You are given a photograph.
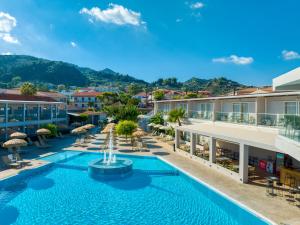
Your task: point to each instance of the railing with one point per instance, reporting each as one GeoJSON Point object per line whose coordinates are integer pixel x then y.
{"type": "Point", "coordinates": [203, 115]}
{"type": "Point", "coordinates": [271, 120]}
{"type": "Point", "coordinates": [233, 117]}
{"type": "Point", "coordinates": [291, 127]}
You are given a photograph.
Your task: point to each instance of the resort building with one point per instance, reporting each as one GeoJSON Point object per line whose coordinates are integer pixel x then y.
{"type": "Point", "coordinates": [28, 113]}
{"type": "Point", "coordinates": [243, 135]}
{"type": "Point", "coordinates": [84, 100]}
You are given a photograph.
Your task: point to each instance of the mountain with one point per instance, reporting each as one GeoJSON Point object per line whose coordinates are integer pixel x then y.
{"type": "Point", "coordinates": [47, 72]}
{"type": "Point", "coordinates": [216, 86]}
{"type": "Point", "coordinates": [56, 72]}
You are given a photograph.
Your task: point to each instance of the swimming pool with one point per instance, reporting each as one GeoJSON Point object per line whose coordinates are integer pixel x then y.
{"type": "Point", "coordinates": [156, 193]}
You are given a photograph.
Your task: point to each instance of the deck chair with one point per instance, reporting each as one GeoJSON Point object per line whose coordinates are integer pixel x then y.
{"type": "Point", "coordinates": [42, 142]}
{"type": "Point", "coordinates": [30, 142]}
{"type": "Point", "coordinates": [9, 163]}
{"type": "Point", "coordinates": [37, 144]}
{"type": "Point", "coordinates": [22, 161]}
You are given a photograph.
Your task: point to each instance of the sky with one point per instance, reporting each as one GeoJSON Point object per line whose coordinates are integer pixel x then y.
{"type": "Point", "coordinates": [249, 41]}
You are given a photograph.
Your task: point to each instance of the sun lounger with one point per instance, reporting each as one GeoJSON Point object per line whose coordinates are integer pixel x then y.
{"type": "Point", "coordinates": [9, 163]}
{"type": "Point", "coordinates": [29, 141]}
{"type": "Point", "coordinates": [42, 142]}
{"type": "Point", "coordinates": [37, 144]}
{"type": "Point", "coordinates": [22, 161]}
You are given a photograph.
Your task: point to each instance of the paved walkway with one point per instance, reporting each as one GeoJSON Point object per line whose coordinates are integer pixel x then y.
{"type": "Point", "coordinates": [275, 208]}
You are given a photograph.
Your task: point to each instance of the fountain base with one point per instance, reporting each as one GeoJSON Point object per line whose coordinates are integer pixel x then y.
{"type": "Point", "coordinates": [98, 169]}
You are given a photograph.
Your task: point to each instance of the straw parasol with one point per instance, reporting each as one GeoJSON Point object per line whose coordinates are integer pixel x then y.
{"type": "Point", "coordinates": [79, 130]}
{"type": "Point", "coordinates": [157, 126]}
{"type": "Point", "coordinates": [14, 143]}
{"type": "Point", "coordinates": [139, 133]}
{"type": "Point", "coordinates": [151, 124]}
{"type": "Point", "coordinates": [18, 135]}
{"type": "Point", "coordinates": [43, 131]}
{"type": "Point", "coordinates": [88, 126]}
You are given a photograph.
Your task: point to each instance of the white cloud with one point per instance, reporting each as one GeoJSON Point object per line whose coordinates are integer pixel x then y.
{"type": "Point", "coordinates": [238, 60]}
{"type": "Point", "coordinates": [73, 44]}
{"type": "Point", "coordinates": [178, 20]}
{"type": "Point", "coordinates": [6, 53]}
{"type": "Point", "coordinates": [7, 24]}
{"type": "Point", "coordinates": [196, 5]}
{"type": "Point", "coordinates": [115, 14]}
{"type": "Point", "coordinates": [290, 55]}
{"type": "Point", "coordinates": [8, 38]}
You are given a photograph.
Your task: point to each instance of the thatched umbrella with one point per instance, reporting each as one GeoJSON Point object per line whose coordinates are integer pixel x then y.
{"type": "Point", "coordinates": [88, 126]}
{"type": "Point", "coordinates": [14, 143]}
{"type": "Point", "coordinates": [79, 130]}
{"type": "Point", "coordinates": [43, 131]}
{"type": "Point", "coordinates": [151, 124]}
{"type": "Point", "coordinates": [139, 133]}
{"type": "Point", "coordinates": [157, 126]}
{"type": "Point", "coordinates": [18, 135]}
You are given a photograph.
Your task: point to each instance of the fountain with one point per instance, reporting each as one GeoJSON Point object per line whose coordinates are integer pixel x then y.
{"type": "Point", "coordinates": [110, 167]}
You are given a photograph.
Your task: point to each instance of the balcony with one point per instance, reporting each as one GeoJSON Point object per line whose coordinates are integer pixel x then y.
{"type": "Point", "coordinates": [271, 120]}
{"type": "Point", "coordinates": [236, 117]}
{"type": "Point", "coordinates": [202, 115]}
{"type": "Point", "coordinates": [291, 127]}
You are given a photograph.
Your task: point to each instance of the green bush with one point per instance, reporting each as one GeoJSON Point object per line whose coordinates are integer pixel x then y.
{"type": "Point", "coordinates": [126, 128]}
{"type": "Point", "coordinates": [157, 119]}
{"type": "Point", "coordinates": [52, 127]}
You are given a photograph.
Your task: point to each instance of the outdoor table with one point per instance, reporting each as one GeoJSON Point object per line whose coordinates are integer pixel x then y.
{"type": "Point", "coordinates": [272, 179]}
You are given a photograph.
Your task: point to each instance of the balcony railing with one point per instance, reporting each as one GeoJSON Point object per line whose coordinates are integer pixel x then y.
{"type": "Point", "coordinates": [203, 115]}
{"type": "Point", "coordinates": [291, 127]}
{"type": "Point", "coordinates": [235, 117]}
{"type": "Point", "coordinates": [271, 120]}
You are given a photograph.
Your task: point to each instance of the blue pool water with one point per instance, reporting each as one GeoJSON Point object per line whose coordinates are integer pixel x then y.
{"type": "Point", "coordinates": [154, 194]}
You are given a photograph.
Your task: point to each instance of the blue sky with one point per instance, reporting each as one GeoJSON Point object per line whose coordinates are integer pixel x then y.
{"type": "Point", "coordinates": [250, 41]}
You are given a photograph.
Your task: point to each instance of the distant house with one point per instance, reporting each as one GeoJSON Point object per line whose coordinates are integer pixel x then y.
{"type": "Point", "coordinates": [83, 100]}
{"type": "Point", "coordinates": [252, 90]}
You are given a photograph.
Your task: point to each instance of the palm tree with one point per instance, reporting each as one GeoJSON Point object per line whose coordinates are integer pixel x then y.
{"type": "Point", "coordinates": [176, 115]}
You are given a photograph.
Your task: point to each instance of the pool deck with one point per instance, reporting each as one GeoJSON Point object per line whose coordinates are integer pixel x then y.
{"type": "Point", "coordinates": [275, 208]}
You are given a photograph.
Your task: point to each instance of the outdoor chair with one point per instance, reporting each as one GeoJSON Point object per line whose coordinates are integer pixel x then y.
{"type": "Point", "coordinates": [37, 144]}
{"type": "Point", "coordinates": [29, 141]}
{"type": "Point", "coordinates": [42, 142]}
{"type": "Point", "coordinates": [22, 161]}
{"type": "Point", "coordinates": [10, 163]}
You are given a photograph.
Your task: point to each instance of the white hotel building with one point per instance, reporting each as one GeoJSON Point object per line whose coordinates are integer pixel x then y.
{"type": "Point", "coordinates": [242, 135]}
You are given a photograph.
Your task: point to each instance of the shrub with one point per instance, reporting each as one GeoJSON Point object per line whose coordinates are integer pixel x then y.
{"type": "Point", "coordinates": [28, 89]}
{"type": "Point", "coordinates": [126, 128]}
{"type": "Point", "coordinates": [52, 127]}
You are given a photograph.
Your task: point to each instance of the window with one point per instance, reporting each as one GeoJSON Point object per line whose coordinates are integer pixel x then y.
{"type": "Point", "coordinates": [240, 107]}
{"type": "Point", "coordinates": [82, 105]}
{"type": "Point", "coordinates": [290, 108]}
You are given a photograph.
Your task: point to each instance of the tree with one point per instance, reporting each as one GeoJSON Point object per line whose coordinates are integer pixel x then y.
{"type": "Point", "coordinates": [157, 119]}
{"type": "Point", "coordinates": [128, 112]}
{"type": "Point", "coordinates": [108, 98]}
{"type": "Point", "coordinates": [28, 88]}
{"type": "Point", "coordinates": [147, 89]}
{"type": "Point", "coordinates": [191, 95]}
{"type": "Point", "coordinates": [15, 81]}
{"type": "Point", "coordinates": [91, 105]}
{"type": "Point", "coordinates": [176, 115]}
{"type": "Point", "coordinates": [133, 89]}
{"type": "Point", "coordinates": [52, 128]}
{"type": "Point", "coordinates": [158, 95]}
{"type": "Point", "coordinates": [126, 128]}
{"type": "Point", "coordinates": [83, 117]}
{"type": "Point", "coordinates": [61, 87]}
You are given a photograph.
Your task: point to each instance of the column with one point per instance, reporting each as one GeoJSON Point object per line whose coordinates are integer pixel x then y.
{"type": "Point", "coordinates": [39, 114]}
{"type": "Point", "coordinates": [177, 138]}
{"type": "Point", "coordinates": [6, 120]}
{"type": "Point", "coordinates": [212, 150]}
{"type": "Point", "coordinates": [243, 163]}
{"type": "Point", "coordinates": [51, 114]}
{"type": "Point", "coordinates": [24, 116]}
{"type": "Point", "coordinates": [193, 143]}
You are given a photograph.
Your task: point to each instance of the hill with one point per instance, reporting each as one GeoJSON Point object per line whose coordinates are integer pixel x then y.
{"type": "Point", "coordinates": [56, 72]}
{"type": "Point", "coordinates": [47, 72]}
